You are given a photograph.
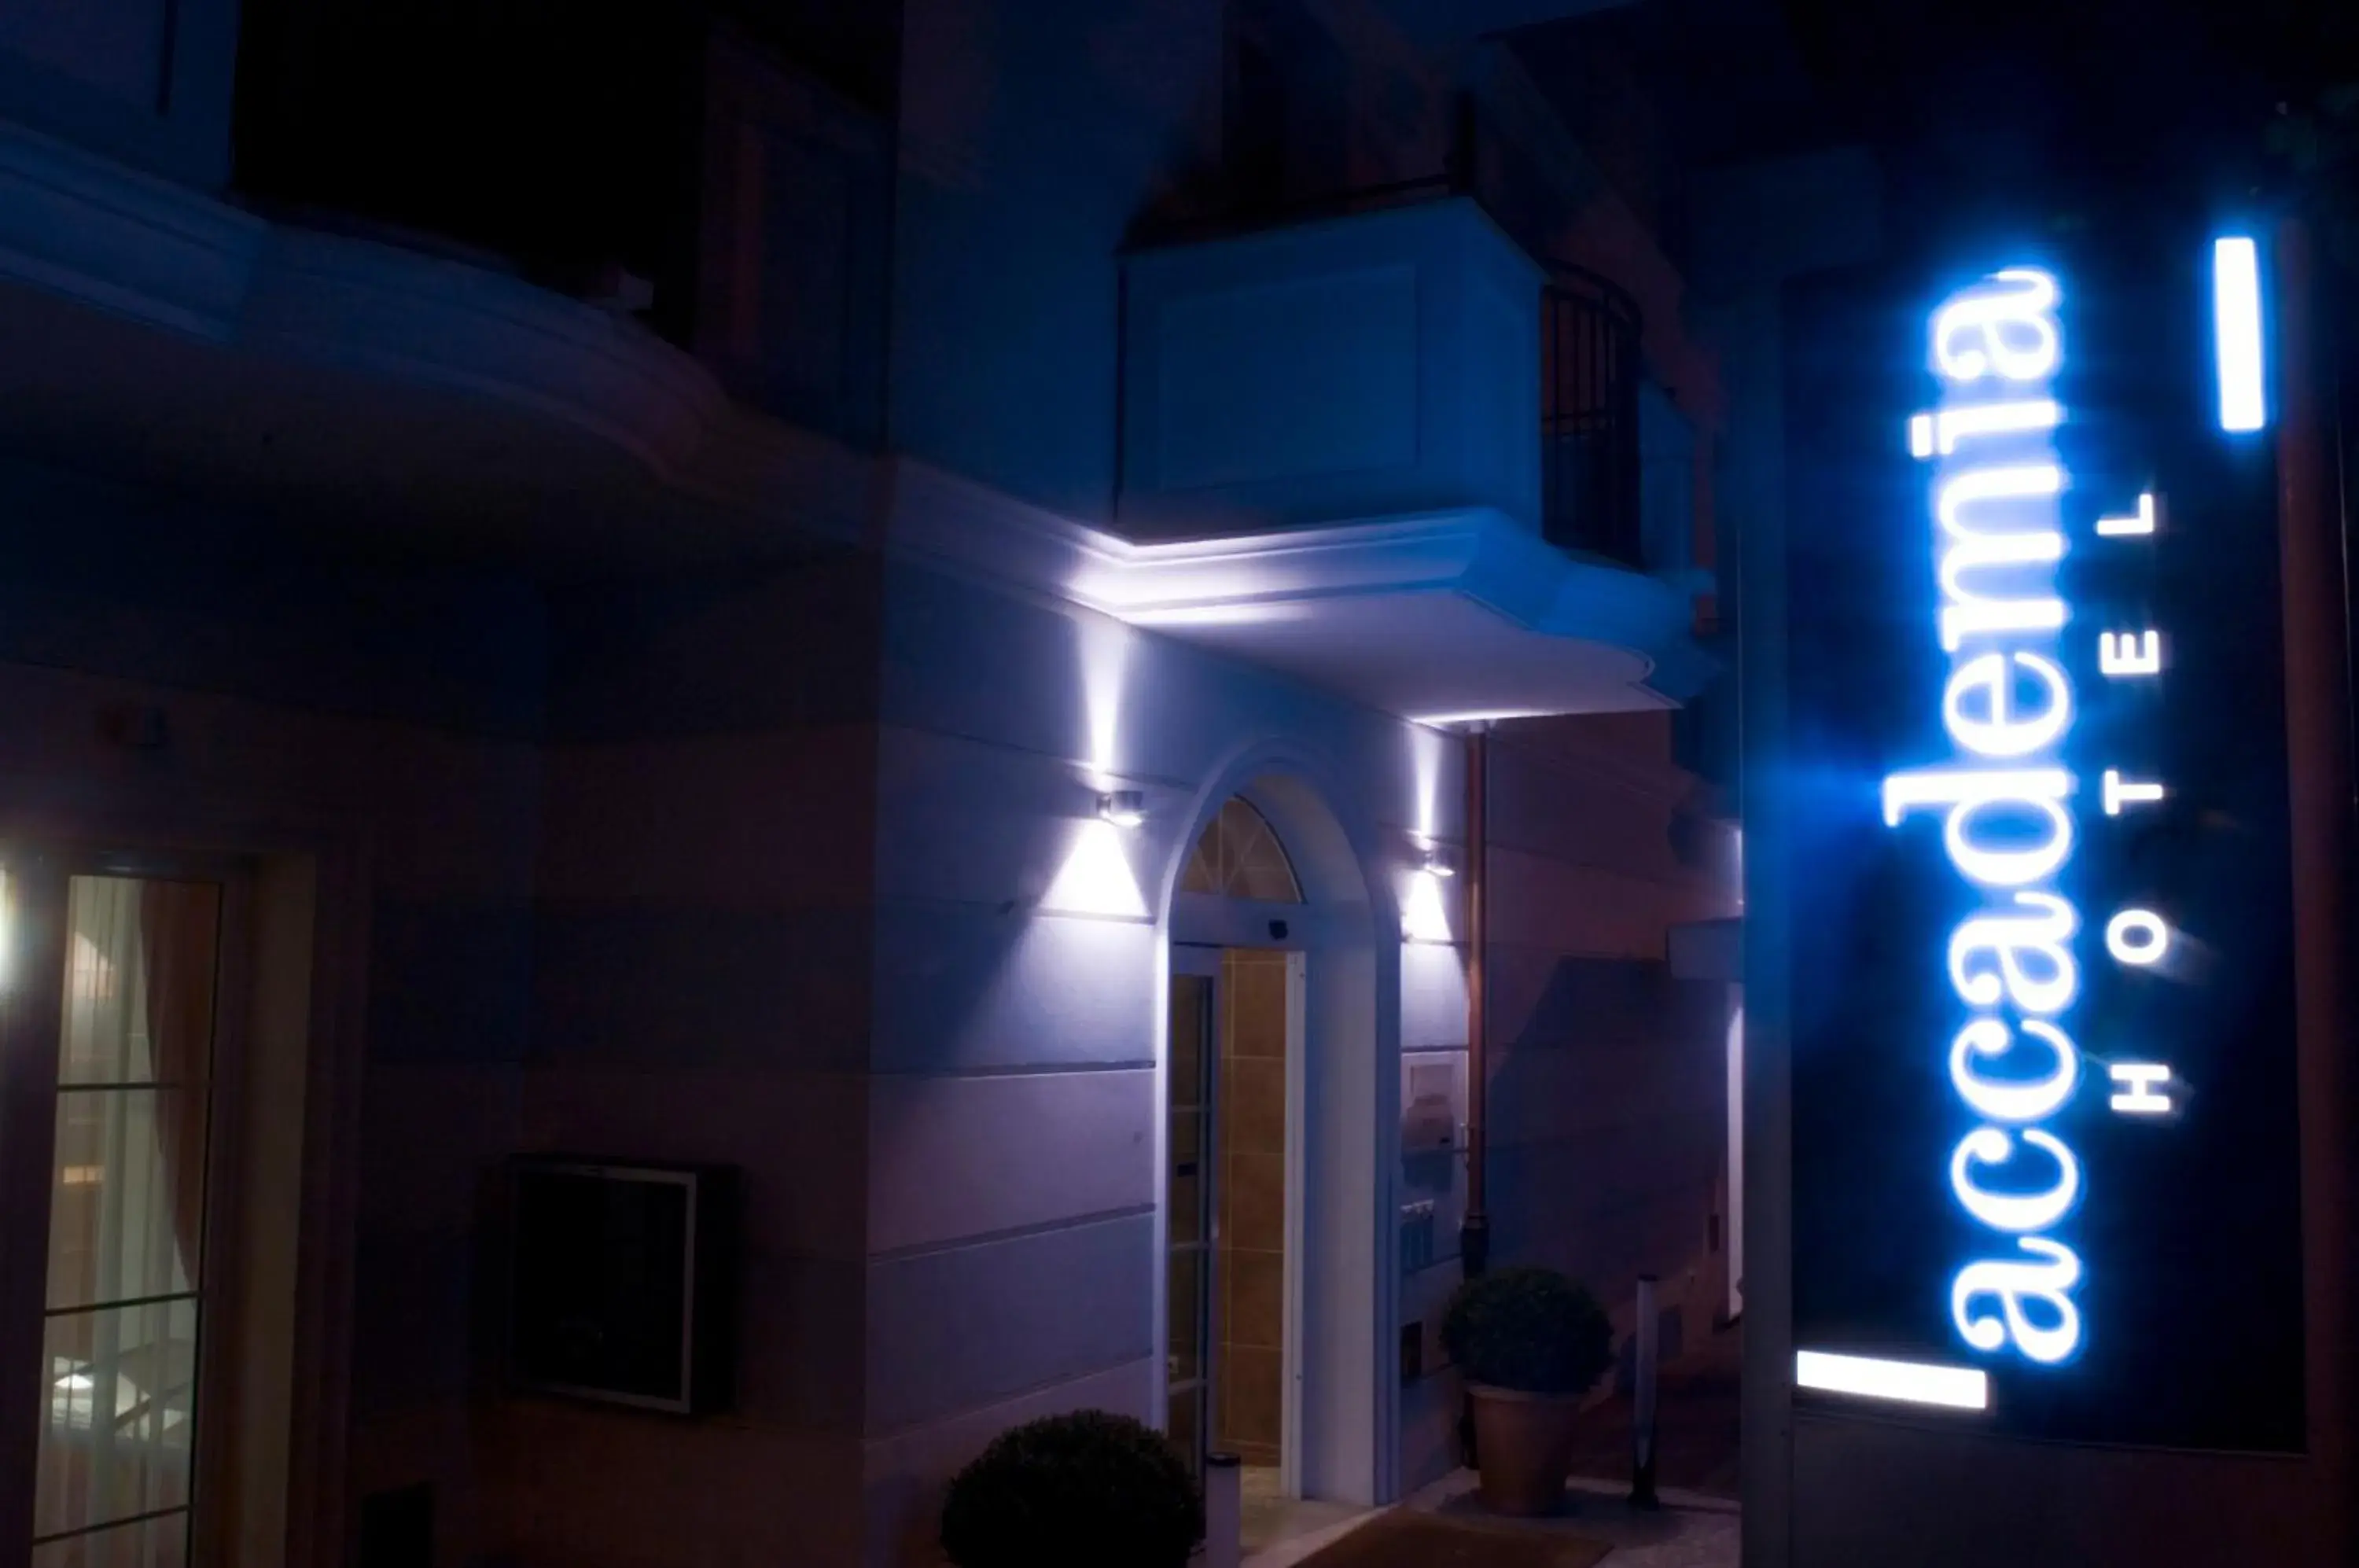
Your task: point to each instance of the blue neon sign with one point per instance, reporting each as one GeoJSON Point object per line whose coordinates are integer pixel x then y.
{"type": "Point", "coordinates": [2043, 1095]}
{"type": "Point", "coordinates": [2008, 797]}
{"type": "Point", "coordinates": [2237, 333]}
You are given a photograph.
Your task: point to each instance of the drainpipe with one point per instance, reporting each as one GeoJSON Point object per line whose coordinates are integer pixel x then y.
{"type": "Point", "coordinates": [1475, 1230]}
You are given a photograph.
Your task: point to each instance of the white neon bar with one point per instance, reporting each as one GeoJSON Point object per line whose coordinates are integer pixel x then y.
{"type": "Point", "coordinates": [1910, 1382]}
{"type": "Point", "coordinates": [2236, 328]}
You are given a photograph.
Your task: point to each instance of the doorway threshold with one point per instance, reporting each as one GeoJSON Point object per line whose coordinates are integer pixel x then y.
{"type": "Point", "coordinates": [1304, 1526]}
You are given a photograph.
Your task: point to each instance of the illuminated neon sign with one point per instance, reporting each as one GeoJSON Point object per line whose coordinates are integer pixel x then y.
{"type": "Point", "coordinates": [2044, 1106]}
{"type": "Point", "coordinates": [2008, 800]}
{"type": "Point", "coordinates": [2237, 333]}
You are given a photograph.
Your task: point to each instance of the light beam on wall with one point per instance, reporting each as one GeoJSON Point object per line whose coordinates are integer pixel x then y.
{"type": "Point", "coordinates": [1105, 661]}
{"type": "Point", "coordinates": [1482, 717]}
{"type": "Point", "coordinates": [1178, 617]}
{"type": "Point", "coordinates": [1096, 878]}
{"type": "Point", "coordinates": [1424, 915]}
{"type": "Point", "coordinates": [2236, 328]}
{"type": "Point", "coordinates": [1425, 751]}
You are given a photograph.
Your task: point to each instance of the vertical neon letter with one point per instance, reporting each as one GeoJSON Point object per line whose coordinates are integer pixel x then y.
{"type": "Point", "coordinates": [2237, 327]}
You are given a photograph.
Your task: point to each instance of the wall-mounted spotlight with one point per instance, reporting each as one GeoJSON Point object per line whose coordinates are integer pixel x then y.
{"type": "Point", "coordinates": [1437, 864]}
{"type": "Point", "coordinates": [1123, 808]}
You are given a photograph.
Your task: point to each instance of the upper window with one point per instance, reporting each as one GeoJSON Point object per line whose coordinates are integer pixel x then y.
{"type": "Point", "coordinates": [1240, 857]}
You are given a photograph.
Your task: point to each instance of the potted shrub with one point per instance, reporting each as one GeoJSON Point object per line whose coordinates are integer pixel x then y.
{"type": "Point", "coordinates": [1084, 1490]}
{"type": "Point", "coordinates": [1529, 1343]}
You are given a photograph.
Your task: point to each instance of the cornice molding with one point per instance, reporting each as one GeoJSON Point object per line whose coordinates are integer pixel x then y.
{"type": "Point", "coordinates": [113, 239]}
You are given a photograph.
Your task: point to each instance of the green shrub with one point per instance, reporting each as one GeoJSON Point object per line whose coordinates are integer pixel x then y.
{"type": "Point", "coordinates": [1527, 1329]}
{"type": "Point", "coordinates": [1088, 1490]}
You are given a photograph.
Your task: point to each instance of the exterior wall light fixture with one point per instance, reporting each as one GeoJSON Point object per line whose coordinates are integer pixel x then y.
{"type": "Point", "coordinates": [1437, 864]}
{"type": "Point", "coordinates": [1123, 808]}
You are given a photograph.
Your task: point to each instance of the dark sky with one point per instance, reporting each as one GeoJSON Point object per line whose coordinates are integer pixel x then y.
{"type": "Point", "coordinates": [2085, 100]}
{"type": "Point", "coordinates": [2066, 105]}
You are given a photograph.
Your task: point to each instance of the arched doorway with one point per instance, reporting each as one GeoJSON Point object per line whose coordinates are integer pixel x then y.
{"type": "Point", "coordinates": [1231, 1082]}
{"type": "Point", "coordinates": [1272, 1310]}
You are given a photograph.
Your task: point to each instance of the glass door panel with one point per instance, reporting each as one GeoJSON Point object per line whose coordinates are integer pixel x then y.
{"type": "Point", "coordinates": [134, 1076]}
{"type": "Point", "coordinates": [1188, 1198]}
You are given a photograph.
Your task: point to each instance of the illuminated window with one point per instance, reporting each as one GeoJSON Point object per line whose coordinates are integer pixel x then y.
{"type": "Point", "coordinates": [1240, 857]}
{"type": "Point", "coordinates": [91, 972]}
{"type": "Point", "coordinates": [115, 1453]}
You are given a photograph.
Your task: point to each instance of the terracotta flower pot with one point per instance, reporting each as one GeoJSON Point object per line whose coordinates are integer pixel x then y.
{"type": "Point", "coordinates": [1524, 1444]}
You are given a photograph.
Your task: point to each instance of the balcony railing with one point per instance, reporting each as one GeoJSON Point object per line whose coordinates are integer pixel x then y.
{"type": "Point", "coordinates": [1591, 367]}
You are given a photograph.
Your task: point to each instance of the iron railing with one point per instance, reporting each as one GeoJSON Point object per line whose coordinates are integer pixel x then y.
{"type": "Point", "coordinates": [1590, 370]}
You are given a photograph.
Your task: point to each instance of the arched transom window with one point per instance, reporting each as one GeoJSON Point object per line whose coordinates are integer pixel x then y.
{"type": "Point", "coordinates": [1240, 857]}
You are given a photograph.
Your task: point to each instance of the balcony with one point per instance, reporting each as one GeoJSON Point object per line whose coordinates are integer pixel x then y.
{"type": "Point", "coordinates": [709, 167]}
{"type": "Point", "coordinates": [661, 157]}
{"type": "Point", "coordinates": [456, 357]}
{"type": "Point", "coordinates": [1351, 367]}
{"type": "Point", "coordinates": [146, 83]}
{"type": "Point", "coordinates": [1389, 451]}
